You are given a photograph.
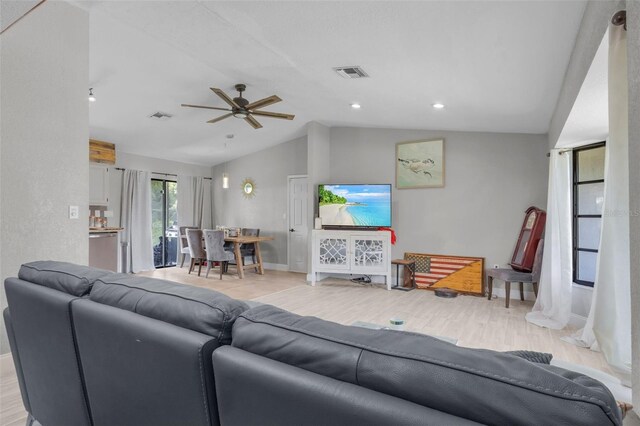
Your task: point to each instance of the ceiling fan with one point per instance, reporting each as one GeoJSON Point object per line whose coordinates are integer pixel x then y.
{"type": "Point", "coordinates": [241, 108]}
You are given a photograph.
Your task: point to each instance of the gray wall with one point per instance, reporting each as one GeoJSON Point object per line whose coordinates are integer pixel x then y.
{"type": "Point", "coordinates": [319, 171]}
{"type": "Point", "coordinates": [633, 57]}
{"type": "Point", "coordinates": [44, 75]}
{"type": "Point", "coordinates": [138, 162]}
{"type": "Point", "coordinates": [491, 178]}
{"type": "Point", "coordinates": [595, 21]}
{"type": "Point", "coordinates": [267, 210]}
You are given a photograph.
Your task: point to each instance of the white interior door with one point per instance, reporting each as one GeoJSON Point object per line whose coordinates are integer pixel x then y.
{"type": "Point", "coordinates": [298, 219]}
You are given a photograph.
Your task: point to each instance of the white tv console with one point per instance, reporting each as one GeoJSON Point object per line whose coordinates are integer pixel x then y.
{"type": "Point", "coordinates": [351, 252]}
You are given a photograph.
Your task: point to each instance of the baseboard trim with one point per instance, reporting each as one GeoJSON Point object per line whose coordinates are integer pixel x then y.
{"type": "Point", "coordinates": [276, 266]}
{"type": "Point", "coordinates": [375, 279]}
{"type": "Point", "coordinates": [515, 293]}
{"type": "Point", "coordinates": [577, 321]}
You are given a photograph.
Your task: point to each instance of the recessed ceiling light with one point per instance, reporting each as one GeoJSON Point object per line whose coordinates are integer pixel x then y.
{"type": "Point", "coordinates": [230, 136]}
{"type": "Point", "coordinates": [355, 106]}
{"type": "Point", "coordinates": [438, 106]}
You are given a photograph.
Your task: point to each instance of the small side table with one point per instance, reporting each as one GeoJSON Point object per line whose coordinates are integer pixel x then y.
{"type": "Point", "coordinates": [408, 271]}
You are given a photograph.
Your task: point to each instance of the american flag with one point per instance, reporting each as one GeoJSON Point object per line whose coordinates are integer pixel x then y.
{"type": "Point", "coordinates": [431, 269]}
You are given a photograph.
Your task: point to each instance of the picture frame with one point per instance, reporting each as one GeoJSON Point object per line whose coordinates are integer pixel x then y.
{"type": "Point", "coordinates": [420, 164]}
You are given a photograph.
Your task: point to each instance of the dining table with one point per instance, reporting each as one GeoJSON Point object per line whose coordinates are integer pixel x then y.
{"type": "Point", "coordinates": [247, 239]}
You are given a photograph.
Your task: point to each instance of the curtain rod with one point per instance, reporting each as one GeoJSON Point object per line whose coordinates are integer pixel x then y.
{"type": "Point", "coordinates": [158, 173]}
{"type": "Point", "coordinates": [560, 152]}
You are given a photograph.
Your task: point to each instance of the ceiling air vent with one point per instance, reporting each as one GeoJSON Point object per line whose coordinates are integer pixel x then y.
{"type": "Point", "coordinates": [160, 116]}
{"type": "Point", "coordinates": [351, 72]}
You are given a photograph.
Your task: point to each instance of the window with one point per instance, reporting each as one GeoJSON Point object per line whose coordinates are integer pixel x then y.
{"type": "Point", "coordinates": [588, 197]}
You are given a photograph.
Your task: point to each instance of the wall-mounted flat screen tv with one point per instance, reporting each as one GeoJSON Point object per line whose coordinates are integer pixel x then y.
{"type": "Point", "coordinates": [355, 205]}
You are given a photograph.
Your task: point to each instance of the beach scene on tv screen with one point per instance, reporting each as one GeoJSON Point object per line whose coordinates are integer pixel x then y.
{"type": "Point", "coordinates": [355, 205]}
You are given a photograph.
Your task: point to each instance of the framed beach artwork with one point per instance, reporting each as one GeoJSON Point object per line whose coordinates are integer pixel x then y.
{"type": "Point", "coordinates": [420, 164]}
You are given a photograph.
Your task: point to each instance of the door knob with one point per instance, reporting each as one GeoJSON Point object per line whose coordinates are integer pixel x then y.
{"type": "Point", "coordinates": [292, 230]}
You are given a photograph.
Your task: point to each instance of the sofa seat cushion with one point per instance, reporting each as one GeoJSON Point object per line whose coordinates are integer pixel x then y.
{"type": "Point", "coordinates": [195, 308]}
{"type": "Point", "coordinates": [69, 278]}
{"type": "Point", "coordinates": [481, 385]}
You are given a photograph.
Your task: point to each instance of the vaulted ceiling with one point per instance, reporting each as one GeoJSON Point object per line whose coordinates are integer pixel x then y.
{"type": "Point", "coordinates": [11, 11]}
{"type": "Point", "coordinates": [497, 67]}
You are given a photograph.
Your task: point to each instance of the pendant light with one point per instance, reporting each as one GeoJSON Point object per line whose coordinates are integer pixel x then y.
{"type": "Point", "coordinates": [225, 175]}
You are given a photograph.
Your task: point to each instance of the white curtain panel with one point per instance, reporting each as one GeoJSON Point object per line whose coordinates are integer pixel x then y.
{"type": "Point", "coordinates": [553, 304]}
{"type": "Point", "coordinates": [608, 326]}
{"type": "Point", "coordinates": [135, 218]}
{"type": "Point", "coordinates": [207, 205]}
{"type": "Point", "coordinates": [192, 195]}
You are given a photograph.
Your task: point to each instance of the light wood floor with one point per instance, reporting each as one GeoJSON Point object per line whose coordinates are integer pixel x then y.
{"type": "Point", "coordinates": [474, 321]}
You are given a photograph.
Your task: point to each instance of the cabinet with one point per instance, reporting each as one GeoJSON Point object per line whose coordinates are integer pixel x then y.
{"type": "Point", "coordinates": [98, 185]}
{"type": "Point", "coordinates": [104, 250]}
{"type": "Point", "coordinates": [352, 252]}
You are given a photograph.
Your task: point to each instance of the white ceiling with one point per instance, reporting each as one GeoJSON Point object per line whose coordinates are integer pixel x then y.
{"type": "Point", "coordinates": [12, 10]}
{"type": "Point", "coordinates": [497, 66]}
{"type": "Point", "coordinates": [588, 121]}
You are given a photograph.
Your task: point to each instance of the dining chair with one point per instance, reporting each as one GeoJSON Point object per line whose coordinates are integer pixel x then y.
{"type": "Point", "coordinates": [509, 276]}
{"type": "Point", "coordinates": [214, 243]}
{"type": "Point", "coordinates": [249, 249]}
{"type": "Point", "coordinates": [183, 243]}
{"type": "Point", "coordinates": [196, 251]}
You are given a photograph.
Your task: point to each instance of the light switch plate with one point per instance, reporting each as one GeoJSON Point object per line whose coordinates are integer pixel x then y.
{"type": "Point", "coordinates": [74, 212]}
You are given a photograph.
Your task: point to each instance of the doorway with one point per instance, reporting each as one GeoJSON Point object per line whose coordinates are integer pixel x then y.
{"type": "Point", "coordinates": [164, 222]}
{"type": "Point", "coordinates": [298, 223]}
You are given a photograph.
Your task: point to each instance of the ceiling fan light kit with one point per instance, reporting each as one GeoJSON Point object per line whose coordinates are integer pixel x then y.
{"type": "Point", "coordinates": [241, 108]}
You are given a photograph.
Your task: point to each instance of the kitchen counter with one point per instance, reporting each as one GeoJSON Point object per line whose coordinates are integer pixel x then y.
{"type": "Point", "coordinates": [104, 230]}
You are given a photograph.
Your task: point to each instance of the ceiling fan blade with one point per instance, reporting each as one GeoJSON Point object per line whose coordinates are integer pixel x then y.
{"type": "Point", "coordinates": [205, 107]}
{"type": "Point", "coordinates": [222, 117]}
{"type": "Point", "coordinates": [273, 115]}
{"type": "Point", "coordinates": [263, 102]}
{"type": "Point", "coordinates": [225, 98]}
{"type": "Point", "coordinates": [253, 122]}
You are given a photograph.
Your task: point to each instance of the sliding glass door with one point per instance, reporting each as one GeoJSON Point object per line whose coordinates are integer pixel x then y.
{"type": "Point", "coordinates": [164, 222]}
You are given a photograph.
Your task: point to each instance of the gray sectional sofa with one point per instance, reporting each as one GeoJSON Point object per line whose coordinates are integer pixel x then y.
{"type": "Point", "coordinates": [97, 348]}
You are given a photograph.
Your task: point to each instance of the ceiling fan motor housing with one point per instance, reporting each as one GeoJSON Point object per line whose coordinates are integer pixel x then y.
{"type": "Point", "coordinates": [242, 102]}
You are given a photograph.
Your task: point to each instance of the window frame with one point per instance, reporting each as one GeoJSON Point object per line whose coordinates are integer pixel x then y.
{"type": "Point", "coordinates": [575, 227]}
{"type": "Point", "coordinates": [165, 209]}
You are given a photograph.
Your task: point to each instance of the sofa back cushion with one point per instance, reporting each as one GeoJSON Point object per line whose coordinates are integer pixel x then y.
{"type": "Point", "coordinates": [41, 337]}
{"type": "Point", "coordinates": [141, 371]}
{"type": "Point", "coordinates": [69, 278]}
{"type": "Point", "coordinates": [277, 394]}
{"type": "Point", "coordinates": [481, 385]}
{"type": "Point", "coordinates": [194, 308]}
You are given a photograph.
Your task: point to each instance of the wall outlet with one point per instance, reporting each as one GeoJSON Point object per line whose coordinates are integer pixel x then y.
{"type": "Point", "coordinates": [74, 212]}
{"type": "Point", "coordinates": [496, 266]}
